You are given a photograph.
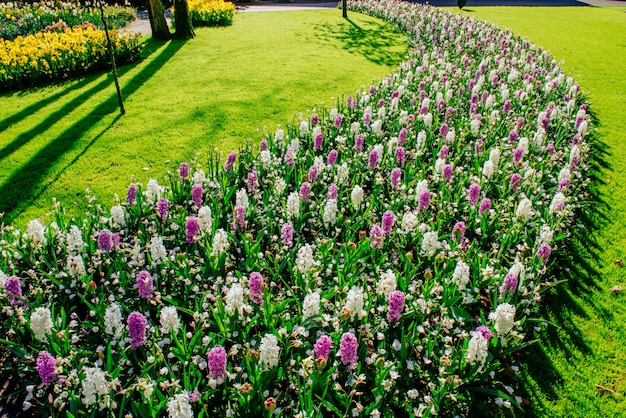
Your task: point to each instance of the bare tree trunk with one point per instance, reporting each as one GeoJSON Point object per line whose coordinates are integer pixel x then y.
{"type": "Point", "coordinates": [344, 8]}
{"type": "Point", "coordinates": [184, 30]}
{"type": "Point", "coordinates": [158, 24]}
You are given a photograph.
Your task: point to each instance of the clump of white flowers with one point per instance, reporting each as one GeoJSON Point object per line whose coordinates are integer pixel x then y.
{"type": "Point", "coordinates": [41, 322]}
{"type": "Point", "coordinates": [504, 318]}
{"type": "Point", "coordinates": [269, 352]}
{"type": "Point", "coordinates": [169, 319]}
{"type": "Point", "coordinates": [113, 321]}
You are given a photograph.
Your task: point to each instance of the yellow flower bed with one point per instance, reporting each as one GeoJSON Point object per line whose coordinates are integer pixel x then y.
{"type": "Point", "coordinates": [211, 12]}
{"type": "Point", "coordinates": [36, 59]}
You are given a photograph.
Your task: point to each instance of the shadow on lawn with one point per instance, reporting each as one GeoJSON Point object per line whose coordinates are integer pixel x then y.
{"type": "Point", "coordinates": [377, 42]}
{"type": "Point", "coordinates": [32, 178]}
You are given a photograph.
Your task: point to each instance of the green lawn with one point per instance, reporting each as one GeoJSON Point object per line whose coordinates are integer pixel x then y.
{"type": "Point", "coordinates": [217, 90]}
{"type": "Point", "coordinates": [588, 348]}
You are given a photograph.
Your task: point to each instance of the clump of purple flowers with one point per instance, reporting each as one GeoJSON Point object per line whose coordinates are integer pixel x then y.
{"type": "Point", "coordinates": [348, 349]}
{"type": "Point", "coordinates": [473, 194]}
{"type": "Point", "coordinates": [145, 284]}
{"type": "Point", "coordinates": [322, 347]}
{"type": "Point", "coordinates": [376, 237]}
{"type": "Point", "coordinates": [14, 290]}
{"type": "Point", "coordinates": [196, 194]}
{"type": "Point", "coordinates": [286, 236]}
{"type": "Point", "coordinates": [389, 218]}
{"type": "Point", "coordinates": [191, 228]}
{"type": "Point", "coordinates": [217, 362]}
{"type": "Point", "coordinates": [131, 195]}
{"type": "Point", "coordinates": [305, 190]}
{"type": "Point", "coordinates": [46, 367]}
{"type": "Point", "coordinates": [544, 252]}
{"type": "Point", "coordinates": [239, 214]}
{"type": "Point", "coordinates": [396, 174]}
{"type": "Point", "coordinates": [396, 304]}
{"type": "Point", "coordinates": [256, 288]}
{"type": "Point", "coordinates": [137, 324]}
{"type": "Point", "coordinates": [105, 240]}
{"type": "Point", "coordinates": [230, 161]}
{"type": "Point", "coordinates": [183, 170]}
{"type": "Point", "coordinates": [162, 208]}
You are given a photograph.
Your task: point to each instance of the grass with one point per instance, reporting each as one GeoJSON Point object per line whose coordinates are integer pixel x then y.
{"type": "Point", "coordinates": [217, 90]}
{"type": "Point", "coordinates": [587, 348]}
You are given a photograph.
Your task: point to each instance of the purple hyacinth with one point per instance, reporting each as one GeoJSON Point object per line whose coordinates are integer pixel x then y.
{"type": "Point", "coordinates": [443, 129]}
{"type": "Point", "coordinates": [447, 172]}
{"type": "Point", "coordinates": [332, 157]}
{"type": "Point", "coordinates": [145, 284]}
{"type": "Point", "coordinates": [396, 174]}
{"type": "Point", "coordinates": [389, 219]}
{"type": "Point", "coordinates": [286, 236]}
{"type": "Point", "coordinates": [183, 170]}
{"type": "Point", "coordinates": [322, 347]}
{"type": "Point", "coordinates": [358, 142]}
{"type": "Point", "coordinates": [478, 146]}
{"type": "Point", "coordinates": [402, 136]}
{"type": "Point", "coordinates": [217, 362]}
{"type": "Point", "coordinates": [444, 152]}
{"type": "Point", "coordinates": [105, 240]}
{"type": "Point", "coordinates": [239, 214]}
{"type": "Point", "coordinates": [513, 136]}
{"type": "Point", "coordinates": [473, 194]}
{"type": "Point", "coordinates": [396, 304]}
{"type": "Point", "coordinates": [13, 290]}
{"type": "Point", "coordinates": [550, 148]}
{"type": "Point", "coordinates": [459, 228]}
{"type": "Point", "coordinates": [314, 119]}
{"type": "Point", "coordinates": [486, 332]}
{"type": "Point", "coordinates": [509, 285]}
{"type": "Point", "coordinates": [263, 145]}
{"type": "Point", "coordinates": [256, 288]}
{"type": "Point", "coordinates": [347, 349]}
{"type": "Point", "coordinates": [424, 199]}
{"type": "Point", "coordinates": [162, 208]}
{"type": "Point", "coordinates": [253, 181]}
{"type": "Point", "coordinates": [400, 156]}
{"type": "Point", "coordinates": [575, 139]}
{"type": "Point", "coordinates": [333, 191]}
{"type": "Point", "coordinates": [137, 324]}
{"type": "Point", "coordinates": [517, 156]}
{"type": "Point", "coordinates": [515, 182]}
{"type": "Point", "coordinates": [544, 252]}
{"type": "Point", "coordinates": [313, 172]}
{"type": "Point", "coordinates": [372, 90]}
{"type": "Point", "coordinates": [381, 102]}
{"type": "Point", "coordinates": [367, 119]}
{"type": "Point", "coordinates": [563, 184]}
{"type": "Point", "coordinates": [376, 237]}
{"type": "Point", "coordinates": [191, 228]}
{"type": "Point", "coordinates": [46, 367]}
{"type": "Point", "coordinates": [507, 107]}
{"type": "Point", "coordinates": [290, 157]}
{"type": "Point", "coordinates": [194, 396]}
{"type": "Point", "coordinates": [131, 195]}
{"type": "Point", "coordinates": [305, 191]}
{"type": "Point", "coordinates": [373, 159]}
{"type": "Point", "coordinates": [196, 194]}
{"type": "Point", "coordinates": [485, 205]}
{"type": "Point", "coordinates": [230, 161]}
{"type": "Point", "coordinates": [319, 140]}
{"type": "Point", "coordinates": [338, 121]}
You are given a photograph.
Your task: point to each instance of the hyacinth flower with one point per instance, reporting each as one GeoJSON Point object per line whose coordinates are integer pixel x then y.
{"type": "Point", "coordinates": [286, 236]}
{"type": "Point", "coordinates": [162, 208]}
{"type": "Point", "coordinates": [191, 227]}
{"type": "Point", "coordinates": [131, 194]}
{"type": "Point", "coordinates": [145, 284]}
{"type": "Point", "coordinates": [348, 349]}
{"type": "Point", "coordinates": [217, 362]}
{"type": "Point", "coordinates": [105, 240]}
{"type": "Point", "coordinates": [183, 171]}
{"type": "Point", "coordinates": [389, 218]}
{"type": "Point", "coordinates": [46, 367]}
{"type": "Point", "coordinates": [197, 194]}
{"type": "Point", "coordinates": [13, 290]}
{"type": "Point", "coordinates": [137, 324]}
{"type": "Point", "coordinates": [230, 161]}
{"type": "Point", "coordinates": [313, 171]}
{"type": "Point", "coordinates": [256, 288]}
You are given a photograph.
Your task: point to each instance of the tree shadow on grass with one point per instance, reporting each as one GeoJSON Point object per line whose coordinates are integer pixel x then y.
{"type": "Point", "coordinates": [376, 41]}
{"type": "Point", "coordinates": [35, 176]}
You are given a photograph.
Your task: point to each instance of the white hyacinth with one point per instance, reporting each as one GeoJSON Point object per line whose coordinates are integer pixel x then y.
{"type": "Point", "coordinates": [41, 322]}
{"type": "Point", "coordinates": [330, 212]}
{"type": "Point", "coordinates": [558, 203]}
{"type": "Point", "coordinates": [304, 259]}
{"type": "Point", "coordinates": [377, 127]}
{"type": "Point", "coordinates": [477, 349]}
{"type": "Point", "coordinates": [430, 243]}
{"type": "Point", "coordinates": [113, 324]}
{"type": "Point", "coordinates": [265, 157]}
{"type": "Point", "coordinates": [387, 283]}
{"type": "Point", "coordinates": [461, 275]}
{"type": "Point", "coordinates": [94, 384]}
{"type": "Point", "coordinates": [74, 240]}
{"type": "Point", "coordinates": [3, 278]}
{"type": "Point", "coordinates": [524, 209]}
{"type": "Point", "coordinates": [304, 128]}
{"type": "Point", "coordinates": [488, 169]}
{"type": "Point", "coordinates": [409, 222]}
{"type": "Point", "coordinates": [504, 318]}
{"type": "Point", "coordinates": [545, 235]}
{"type": "Point", "coordinates": [269, 352]}
{"type": "Point", "coordinates": [205, 219]}
{"type": "Point", "coordinates": [357, 196]}
{"type": "Point", "coordinates": [242, 199]}
{"type": "Point", "coordinates": [343, 173]}
{"type": "Point", "coordinates": [279, 136]}
{"type": "Point", "coordinates": [179, 406]}
{"type": "Point", "coordinates": [220, 243]}
{"type": "Point", "coordinates": [293, 205]}
{"type": "Point", "coordinates": [234, 299]}
{"type": "Point", "coordinates": [354, 303]}
{"type": "Point", "coordinates": [118, 217]}
{"type": "Point", "coordinates": [564, 174]}
{"type": "Point", "coordinates": [158, 252]}
{"type": "Point", "coordinates": [169, 319]}
{"type": "Point", "coordinates": [494, 156]}
{"type": "Point", "coordinates": [75, 266]}
{"type": "Point", "coordinates": [36, 231]}
{"type": "Point", "coordinates": [198, 177]}
{"type": "Point", "coordinates": [153, 191]}
{"type": "Point", "coordinates": [310, 305]}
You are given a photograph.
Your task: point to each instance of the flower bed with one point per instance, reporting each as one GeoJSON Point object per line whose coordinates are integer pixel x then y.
{"type": "Point", "coordinates": [49, 56]}
{"type": "Point", "coordinates": [211, 12]}
{"type": "Point", "coordinates": [21, 19]}
{"type": "Point", "coordinates": [384, 257]}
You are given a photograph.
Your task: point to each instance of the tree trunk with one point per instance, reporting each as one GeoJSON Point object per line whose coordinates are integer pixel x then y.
{"type": "Point", "coordinates": [158, 24]}
{"type": "Point", "coordinates": [184, 30]}
{"type": "Point", "coordinates": [344, 9]}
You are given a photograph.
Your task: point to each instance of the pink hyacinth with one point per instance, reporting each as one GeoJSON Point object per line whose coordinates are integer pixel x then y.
{"type": "Point", "coordinates": [396, 304]}
{"type": "Point", "coordinates": [513, 136]}
{"type": "Point", "coordinates": [517, 156]}
{"type": "Point", "coordinates": [105, 240]}
{"type": "Point", "coordinates": [194, 396]}
{"type": "Point", "coordinates": [145, 284]}
{"type": "Point", "coordinates": [473, 194]}
{"type": "Point", "coordinates": [263, 145]}
{"type": "Point", "coordinates": [447, 172]}
{"type": "Point", "coordinates": [183, 170]}
{"type": "Point", "coordinates": [443, 129]}
{"type": "Point", "coordinates": [230, 161]}
{"type": "Point", "coordinates": [332, 157]}
{"type": "Point", "coordinates": [333, 191]}
{"type": "Point", "coordinates": [255, 286]}
{"type": "Point", "coordinates": [358, 142]}
{"type": "Point", "coordinates": [389, 219]}
{"type": "Point", "coordinates": [376, 237]}
{"type": "Point", "coordinates": [192, 227]}
{"type": "Point", "coordinates": [338, 121]}
{"type": "Point", "coordinates": [239, 214]}
{"type": "Point", "coordinates": [322, 347]}
{"type": "Point", "coordinates": [314, 119]}
{"type": "Point", "coordinates": [319, 140]}
{"type": "Point", "coordinates": [373, 159]}
{"type": "Point", "coordinates": [372, 90]}
{"type": "Point", "coordinates": [217, 362]}
{"type": "Point", "coordinates": [544, 252]}
{"type": "Point", "coordinates": [424, 199]}
{"type": "Point", "coordinates": [515, 182]}
{"type": "Point", "coordinates": [313, 171]}
{"type": "Point", "coordinates": [137, 324]}
{"type": "Point", "coordinates": [507, 107]}
{"type": "Point", "coordinates": [162, 208]}
{"type": "Point", "coordinates": [13, 290]}
{"type": "Point", "coordinates": [46, 367]}
{"type": "Point", "coordinates": [290, 156]}
{"type": "Point", "coordinates": [564, 184]}
{"type": "Point", "coordinates": [131, 195]}
{"type": "Point", "coordinates": [305, 191]}
{"type": "Point", "coordinates": [509, 285]}
{"type": "Point", "coordinates": [286, 236]}
{"type": "Point", "coordinates": [486, 332]}
{"type": "Point", "coordinates": [402, 136]}
{"type": "Point", "coordinates": [485, 205]}
{"type": "Point", "coordinates": [444, 152]}
{"type": "Point", "coordinates": [396, 174]}
{"type": "Point", "coordinates": [459, 228]}
{"type": "Point", "coordinates": [253, 181]}
{"type": "Point", "coordinates": [348, 349]}
{"type": "Point", "coordinates": [400, 156]}
{"type": "Point", "coordinates": [550, 148]}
